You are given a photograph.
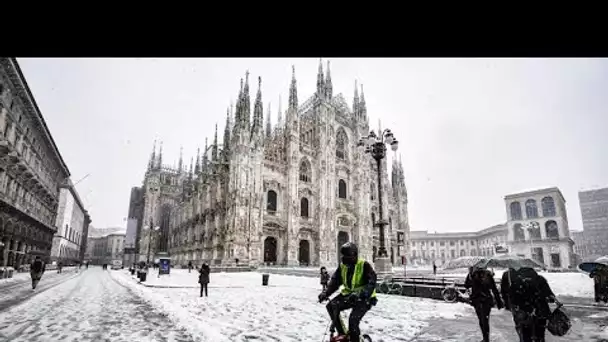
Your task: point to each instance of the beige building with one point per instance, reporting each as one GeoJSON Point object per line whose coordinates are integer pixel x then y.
{"type": "Point", "coordinates": [71, 222]}
{"type": "Point", "coordinates": [31, 172]}
{"type": "Point", "coordinates": [104, 249]}
{"type": "Point", "coordinates": [426, 248]}
{"type": "Point", "coordinates": [538, 227]}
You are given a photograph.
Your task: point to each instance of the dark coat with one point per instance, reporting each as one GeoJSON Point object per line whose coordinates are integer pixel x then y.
{"type": "Point", "coordinates": [536, 299]}
{"type": "Point", "coordinates": [483, 288]}
{"type": "Point", "coordinates": [204, 272]}
{"type": "Point", "coordinates": [324, 278]}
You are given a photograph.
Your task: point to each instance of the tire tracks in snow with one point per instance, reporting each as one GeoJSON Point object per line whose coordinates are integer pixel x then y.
{"type": "Point", "coordinates": [9, 303]}
{"type": "Point", "coordinates": [50, 309]}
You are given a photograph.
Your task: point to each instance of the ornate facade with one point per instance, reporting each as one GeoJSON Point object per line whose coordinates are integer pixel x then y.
{"type": "Point", "coordinates": [31, 172]}
{"type": "Point", "coordinates": [289, 194]}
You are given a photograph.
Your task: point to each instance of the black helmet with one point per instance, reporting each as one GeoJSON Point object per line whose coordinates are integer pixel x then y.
{"type": "Point", "coordinates": [349, 249]}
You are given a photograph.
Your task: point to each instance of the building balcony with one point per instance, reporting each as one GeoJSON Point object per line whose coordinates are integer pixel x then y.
{"type": "Point", "coordinates": [542, 240]}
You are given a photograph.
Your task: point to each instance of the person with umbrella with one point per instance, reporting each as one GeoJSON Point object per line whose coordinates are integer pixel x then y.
{"type": "Point", "coordinates": [484, 295]}
{"type": "Point", "coordinates": [598, 271]}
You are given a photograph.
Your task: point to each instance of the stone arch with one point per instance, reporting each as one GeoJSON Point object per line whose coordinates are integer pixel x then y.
{"type": "Point", "coordinates": [531, 209]}
{"type": "Point", "coordinates": [515, 208]}
{"type": "Point", "coordinates": [518, 232]}
{"type": "Point", "coordinates": [551, 230]}
{"type": "Point", "coordinates": [270, 250]}
{"type": "Point", "coordinates": [548, 206]}
{"type": "Point", "coordinates": [304, 253]}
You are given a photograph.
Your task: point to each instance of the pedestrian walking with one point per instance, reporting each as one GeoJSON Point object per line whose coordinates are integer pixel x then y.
{"type": "Point", "coordinates": [59, 267]}
{"type": "Point", "coordinates": [527, 295]}
{"type": "Point", "coordinates": [600, 284]}
{"type": "Point", "coordinates": [324, 277]}
{"type": "Point", "coordinates": [203, 278]}
{"type": "Point", "coordinates": [484, 296]}
{"type": "Point", "coordinates": [37, 269]}
{"type": "Point", "coordinates": [190, 266]}
{"type": "Point", "coordinates": [434, 269]}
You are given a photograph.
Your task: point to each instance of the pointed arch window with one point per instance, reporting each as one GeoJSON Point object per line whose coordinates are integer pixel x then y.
{"type": "Point", "coordinates": [342, 189]}
{"type": "Point", "coordinates": [305, 171]}
{"type": "Point", "coordinates": [341, 145]}
{"type": "Point", "coordinates": [304, 207]}
{"type": "Point", "coordinates": [372, 191]}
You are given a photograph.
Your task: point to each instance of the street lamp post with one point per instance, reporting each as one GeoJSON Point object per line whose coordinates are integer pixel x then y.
{"type": "Point", "coordinates": [376, 147]}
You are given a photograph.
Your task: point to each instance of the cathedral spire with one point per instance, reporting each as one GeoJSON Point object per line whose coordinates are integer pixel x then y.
{"type": "Point", "coordinates": [293, 91]}
{"type": "Point", "coordinates": [205, 160]}
{"type": "Point", "coordinates": [214, 147]}
{"type": "Point", "coordinates": [180, 163]}
{"type": "Point", "coordinates": [362, 107]}
{"type": "Point", "coordinates": [280, 117]}
{"type": "Point", "coordinates": [226, 140]}
{"type": "Point", "coordinates": [152, 156]}
{"type": "Point", "coordinates": [160, 156]}
{"type": "Point", "coordinates": [258, 112]}
{"type": "Point", "coordinates": [356, 102]}
{"type": "Point", "coordinates": [197, 166]}
{"type": "Point", "coordinates": [246, 106]}
{"type": "Point", "coordinates": [237, 111]}
{"type": "Point", "coordinates": [320, 81]}
{"type": "Point", "coordinates": [268, 123]}
{"type": "Point", "coordinates": [190, 173]}
{"type": "Point", "coordinates": [329, 88]}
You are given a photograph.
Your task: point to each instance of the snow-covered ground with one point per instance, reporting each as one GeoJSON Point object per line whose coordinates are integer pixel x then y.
{"type": "Point", "coordinates": [285, 311]}
{"type": "Point", "coordinates": [88, 307]}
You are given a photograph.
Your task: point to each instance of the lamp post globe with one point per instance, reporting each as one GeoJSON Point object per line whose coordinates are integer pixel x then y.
{"type": "Point", "coordinates": [375, 146]}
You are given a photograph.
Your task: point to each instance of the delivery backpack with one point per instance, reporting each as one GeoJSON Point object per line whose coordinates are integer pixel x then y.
{"type": "Point", "coordinates": [558, 323]}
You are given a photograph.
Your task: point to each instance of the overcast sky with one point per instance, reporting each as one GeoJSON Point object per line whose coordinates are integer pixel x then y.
{"type": "Point", "coordinates": [470, 130]}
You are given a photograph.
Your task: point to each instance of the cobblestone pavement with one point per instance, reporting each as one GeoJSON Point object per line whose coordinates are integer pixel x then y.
{"type": "Point", "coordinates": [88, 307]}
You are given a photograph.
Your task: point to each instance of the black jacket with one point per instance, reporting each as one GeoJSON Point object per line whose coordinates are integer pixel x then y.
{"type": "Point", "coordinates": [535, 298]}
{"type": "Point", "coordinates": [483, 286]}
{"type": "Point", "coordinates": [369, 279]}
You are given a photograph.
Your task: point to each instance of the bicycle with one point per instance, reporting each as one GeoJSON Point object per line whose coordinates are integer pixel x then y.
{"type": "Point", "coordinates": [333, 337]}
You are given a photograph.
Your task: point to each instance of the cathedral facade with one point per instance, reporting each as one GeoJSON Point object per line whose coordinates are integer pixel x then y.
{"type": "Point", "coordinates": [286, 195]}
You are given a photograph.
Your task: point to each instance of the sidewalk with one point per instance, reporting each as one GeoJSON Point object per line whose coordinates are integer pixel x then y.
{"type": "Point", "coordinates": [585, 327]}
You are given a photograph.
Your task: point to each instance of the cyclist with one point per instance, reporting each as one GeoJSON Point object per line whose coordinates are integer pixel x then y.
{"type": "Point", "coordinates": [358, 279]}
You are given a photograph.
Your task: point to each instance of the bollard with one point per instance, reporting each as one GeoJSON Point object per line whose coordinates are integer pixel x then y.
{"type": "Point", "coordinates": [265, 277]}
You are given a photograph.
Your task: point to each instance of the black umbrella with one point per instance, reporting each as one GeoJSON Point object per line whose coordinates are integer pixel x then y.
{"type": "Point", "coordinates": [508, 261]}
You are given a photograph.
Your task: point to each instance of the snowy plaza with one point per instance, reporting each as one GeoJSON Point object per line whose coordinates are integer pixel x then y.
{"type": "Point", "coordinates": [98, 305]}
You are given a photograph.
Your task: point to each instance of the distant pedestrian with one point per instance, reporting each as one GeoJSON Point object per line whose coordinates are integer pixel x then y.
{"type": "Point", "coordinates": [59, 267]}
{"type": "Point", "coordinates": [190, 266]}
{"type": "Point", "coordinates": [37, 269]}
{"type": "Point", "coordinates": [203, 278]}
{"type": "Point", "coordinates": [434, 269]}
{"type": "Point", "coordinates": [527, 295]}
{"type": "Point", "coordinates": [484, 295]}
{"type": "Point", "coordinates": [86, 266]}
{"type": "Point", "coordinates": [324, 278]}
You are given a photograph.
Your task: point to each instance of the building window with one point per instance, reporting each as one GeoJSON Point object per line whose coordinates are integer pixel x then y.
{"type": "Point", "coordinates": [548, 206]}
{"type": "Point", "coordinates": [441, 244]}
{"type": "Point", "coordinates": [515, 211]}
{"type": "Point", "coordinates": [518, 232]}
{"type": "Point", "coordinates": [462, 243]}
{"type": "Point", "coordinates": [271, 202]}
{"type": "Point", "coordinates": [551, 230]}
{"type": "Point", "coordinates": [462, 252]}
{"type": "Point", "coordinates": [341, 144]}
{"type": "Point", "coordinates": [452, 243]}
{"type": "Point", "coordinates": [342, 189]}
{"type": "Point", "coordinates": [432, 243]}
{"type": "Point", "coordinates": [305, 171]}
{"type": "Point", "coordinates": [304, 207]}
{"type": "Point", "coordinates": [531, 209]}
{"type": "Point", "coordinates": [534, 231]}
